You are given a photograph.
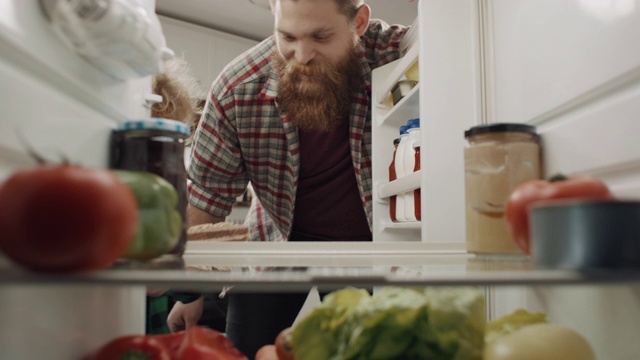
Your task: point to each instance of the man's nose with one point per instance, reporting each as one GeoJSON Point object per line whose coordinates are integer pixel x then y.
{"type": "Point", "coordinates": [304, 53]}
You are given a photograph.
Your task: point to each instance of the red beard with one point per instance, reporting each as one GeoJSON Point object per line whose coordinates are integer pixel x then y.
{"type": "Point", "coordinates": [318, 96]}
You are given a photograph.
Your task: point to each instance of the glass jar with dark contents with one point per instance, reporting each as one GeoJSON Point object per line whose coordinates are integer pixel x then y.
{"type": "Point", "coordinates": [156, 146]}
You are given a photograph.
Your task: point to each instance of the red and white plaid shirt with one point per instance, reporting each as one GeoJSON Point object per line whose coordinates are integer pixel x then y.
{"type": "Point", "coordinates": [243, 137]}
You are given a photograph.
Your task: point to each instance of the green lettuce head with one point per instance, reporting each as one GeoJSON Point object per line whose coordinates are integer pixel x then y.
{"type": "Point", "coordinates": [395, 323]}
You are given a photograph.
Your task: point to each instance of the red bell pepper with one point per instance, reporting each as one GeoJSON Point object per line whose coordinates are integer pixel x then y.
{"type": "Point", "coordinates": [557, 187]}
{"type": "Point", "coordinates": [133, 347]}
{"type": "Point", "coordinates": [203, 343]}
{"type": "Point", "coordinates": [194, 343]}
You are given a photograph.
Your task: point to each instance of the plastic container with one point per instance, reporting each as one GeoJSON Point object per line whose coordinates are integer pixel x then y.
{"type": "Point", "coordinates": [416, 193]}
{"type": "Point", "coordinates": [393, 176]}
{"type": "Point", "coordinates": [409, 161]}
{"type": "Point", "coordinates": [413, 73]}
{"type": "Point", "coordinates": [497, 158]}
{"type": "Point", "coordinates": [401, 89]}
{"type": "Point", "coordinates": [400, 172]}
{"type": "Point", "coordinates": [157, 146]}
{"type": "Point", "coordinates": [585, 234]}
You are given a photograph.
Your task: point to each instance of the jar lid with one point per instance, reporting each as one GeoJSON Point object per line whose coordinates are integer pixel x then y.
{"type": "Point", "coordinates": [156, 124]}
{"type": "Point", "coordinates": [500, 127]}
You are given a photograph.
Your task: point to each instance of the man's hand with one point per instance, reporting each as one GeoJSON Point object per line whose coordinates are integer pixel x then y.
{"type": "Point", "coordinates": [267, 352]}
{"type": "Point", "coordinates": [155, 292]}
{"type": "Point", "coordinates": [184, 316]}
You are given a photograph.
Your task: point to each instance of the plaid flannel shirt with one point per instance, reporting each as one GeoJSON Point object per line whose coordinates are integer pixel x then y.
{"type": "Point", "coordinates": [242, 137]}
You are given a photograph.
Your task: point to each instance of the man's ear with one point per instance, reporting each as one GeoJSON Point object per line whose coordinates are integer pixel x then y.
{"type": "Point", "coordinates": [361, 21]}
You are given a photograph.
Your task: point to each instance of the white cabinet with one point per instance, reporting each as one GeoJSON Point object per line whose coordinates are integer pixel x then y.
{"type": "Point", "coordinates": [207, 51]}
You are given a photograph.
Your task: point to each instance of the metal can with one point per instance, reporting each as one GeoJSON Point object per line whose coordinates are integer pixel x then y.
{"type": "Point", "coordinates": [497, 158]}
{"type": "Point", "coordinates": [157, 146]}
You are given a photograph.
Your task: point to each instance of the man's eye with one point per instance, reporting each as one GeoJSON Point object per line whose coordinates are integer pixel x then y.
{"type": "Point", "coordinates": [321, 38]}
{"type": "Point", "coordinates": [287, 37]}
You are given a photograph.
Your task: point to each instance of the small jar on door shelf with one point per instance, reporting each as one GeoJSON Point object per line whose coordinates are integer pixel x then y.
{"type": "Point", "coordinates": [497, 158]}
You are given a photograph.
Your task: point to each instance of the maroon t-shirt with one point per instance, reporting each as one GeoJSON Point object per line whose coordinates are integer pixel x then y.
{"type": "Point", "coordinates": [328, 205]}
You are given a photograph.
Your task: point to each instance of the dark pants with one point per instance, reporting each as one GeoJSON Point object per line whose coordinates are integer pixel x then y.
{"type": "Point", "coordinates": [254, 320]}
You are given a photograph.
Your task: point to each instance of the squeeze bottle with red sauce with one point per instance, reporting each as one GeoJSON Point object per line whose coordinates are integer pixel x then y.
{"type": "Point", "coordinates": [393, 176]}
{"type": "Point", "coordinates": [400, 171]}
{"type": "Point", "coordinates": [409, 163]}
{"type": "Point", "coordinates": [416, 192]}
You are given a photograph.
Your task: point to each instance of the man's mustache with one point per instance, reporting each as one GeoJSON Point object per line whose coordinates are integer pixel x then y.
{"type": "Point", "coordinates": [303, 70]}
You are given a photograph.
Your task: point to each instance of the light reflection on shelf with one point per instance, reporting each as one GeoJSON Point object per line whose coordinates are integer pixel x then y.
{"type": "Point", "coordinates": [213, 272]}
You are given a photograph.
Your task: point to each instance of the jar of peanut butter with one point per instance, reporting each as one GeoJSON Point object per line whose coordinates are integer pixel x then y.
{"type": "Point", "coordinates": [497, 158]}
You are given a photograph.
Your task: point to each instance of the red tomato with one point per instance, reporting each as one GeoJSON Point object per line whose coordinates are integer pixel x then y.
{"type": "Point", "coordinates": [530, 192]}
{"type": "Point", "coordinates": [66, 218]}
{"type": "Point", "coordinates": [133, 347]}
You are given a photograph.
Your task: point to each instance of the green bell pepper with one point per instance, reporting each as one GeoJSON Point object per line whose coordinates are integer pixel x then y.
{"type": "Point", "coordinates": [159, 221]}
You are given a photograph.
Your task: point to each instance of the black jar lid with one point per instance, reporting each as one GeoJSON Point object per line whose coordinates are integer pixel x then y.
{"type": "Point", "coordinates": [500, 127]}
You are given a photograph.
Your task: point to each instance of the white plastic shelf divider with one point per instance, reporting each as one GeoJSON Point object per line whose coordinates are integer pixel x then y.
{"type": "Point", "coordinates": [400, 185]}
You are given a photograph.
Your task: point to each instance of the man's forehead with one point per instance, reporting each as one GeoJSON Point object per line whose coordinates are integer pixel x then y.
{"type": "Point", "coordinates": [287, 6]}
{"type": "Point", "coordinates": [303, 1]}
{"type": "Point", "coordinates": [314, 16]}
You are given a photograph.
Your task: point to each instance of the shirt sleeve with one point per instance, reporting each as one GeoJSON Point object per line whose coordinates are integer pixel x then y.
{"type": "Point", "coordinates": [184, 297]}
{"type": "Point", "coordinates": [216, 170]}
{"type": "Point", "coordinates": [382, 42]}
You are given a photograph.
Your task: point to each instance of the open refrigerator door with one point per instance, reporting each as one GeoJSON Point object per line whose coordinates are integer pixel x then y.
{"type": "Point", "coordinates": [61, 102]}
{"type": "Point", "coordinates": [70, 72]}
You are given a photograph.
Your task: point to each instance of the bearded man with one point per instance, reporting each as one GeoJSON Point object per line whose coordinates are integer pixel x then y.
{"type": "Point", "coordinates": [291, 116]}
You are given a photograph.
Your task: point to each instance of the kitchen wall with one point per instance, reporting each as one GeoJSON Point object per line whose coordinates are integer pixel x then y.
{"type": "Point", "coordinates": [207, 51]}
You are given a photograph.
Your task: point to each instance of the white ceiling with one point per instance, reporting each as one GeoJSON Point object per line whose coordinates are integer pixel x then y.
{"type": "Point", "coordinates": [241, 17]}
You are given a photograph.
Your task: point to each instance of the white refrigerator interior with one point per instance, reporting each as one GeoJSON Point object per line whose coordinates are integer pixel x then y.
{"type": "Point", "coordinates": [570, 68]}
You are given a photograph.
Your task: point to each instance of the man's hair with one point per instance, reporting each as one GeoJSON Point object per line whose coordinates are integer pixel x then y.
{"type": "Point", "coordinates": [346, 7]}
